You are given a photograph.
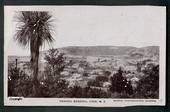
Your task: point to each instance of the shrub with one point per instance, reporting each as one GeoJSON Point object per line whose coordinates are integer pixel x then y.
{"type": "Point", "coordinates": [149, 84]}
{"type": "Point", "coordinates": [98, 82]}
{"type": "Point", "coordinates": [87, 92]}
{"type": "Point", "coordinates": [85, 74]}
{"type": "Point", "coordinates": [53, 88]}
{"type": "Point", "coordinates": [107, 73]}
{"type": "Point", "coordinates": [94, 83]}
{"type": "Point", "coordinates": [19, 83]}
{"type": "Point", "coordinates": [102, 78]}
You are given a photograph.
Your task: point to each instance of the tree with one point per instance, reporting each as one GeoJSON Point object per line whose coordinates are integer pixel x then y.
{"type": "Point", "coordinates": [120, 84]}
{"type": "Point", "coordinates": [149, 84]}
{"type": "Point", "coordinates": [33, 30]}
{"type": "Point", "coordinates": [55, 61]}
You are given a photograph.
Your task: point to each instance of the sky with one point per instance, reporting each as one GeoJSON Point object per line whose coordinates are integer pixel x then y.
{"type": "Point", "coordinates": [136, 26]}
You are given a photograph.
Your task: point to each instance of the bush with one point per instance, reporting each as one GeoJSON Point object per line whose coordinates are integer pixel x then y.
{"type": "Point", "coordinates": [98, 82]}
{"type": "Point", "coordinates": [19, 83]}
{"type": "Point", "coordinates": [85, 74]}
{"type": "Point", "coordinates": [53, 88]}
{"type": "Point", "coordinates": [107, 73]}
{"type": "Point", "coordinates": [94, 83]}
{"type": "Point", "coordinates": [87, 92]}
{"type": "Point", "coordinates": [102, 78]}
{"type": "Point", "coordinates": [149, 84]}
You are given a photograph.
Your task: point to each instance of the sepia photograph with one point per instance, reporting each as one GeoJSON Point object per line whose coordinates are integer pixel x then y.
{"type": "Point", "coordinates": [84, 55]}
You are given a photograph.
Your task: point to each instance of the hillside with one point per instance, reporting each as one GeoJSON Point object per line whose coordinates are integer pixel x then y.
{"type": "Point", "coordinates": [102, 50]}
{"type": "Point", "coordinates": [109, 50]}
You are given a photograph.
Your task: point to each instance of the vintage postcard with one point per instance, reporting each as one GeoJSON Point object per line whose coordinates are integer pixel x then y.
{"type": "Point", "coordinates": [98, 56]}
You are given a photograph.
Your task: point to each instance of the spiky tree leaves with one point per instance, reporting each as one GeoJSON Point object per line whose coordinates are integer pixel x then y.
{"type": "Point", "coordinates": [33, 30]}
{"type": "Point", "coordinates": [33, 26]}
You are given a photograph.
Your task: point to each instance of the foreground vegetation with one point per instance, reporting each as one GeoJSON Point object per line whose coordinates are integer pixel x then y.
{"type": "Point", "coordinates": [107, 85]}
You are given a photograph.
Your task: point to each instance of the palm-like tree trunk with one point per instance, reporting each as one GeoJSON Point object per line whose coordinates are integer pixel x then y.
{"type": "Point", "coordinates": [34, 62]}
{"type": "Point", "coordinates": [33, 31]}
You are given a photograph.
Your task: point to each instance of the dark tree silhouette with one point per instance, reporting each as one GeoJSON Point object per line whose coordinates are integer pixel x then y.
{"type": "Point", "coordinates": [149, 84]}
{"type": "Point", "coordinates": [33, 30]}
{"type": "Point", "coordinates": [120, 84]}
